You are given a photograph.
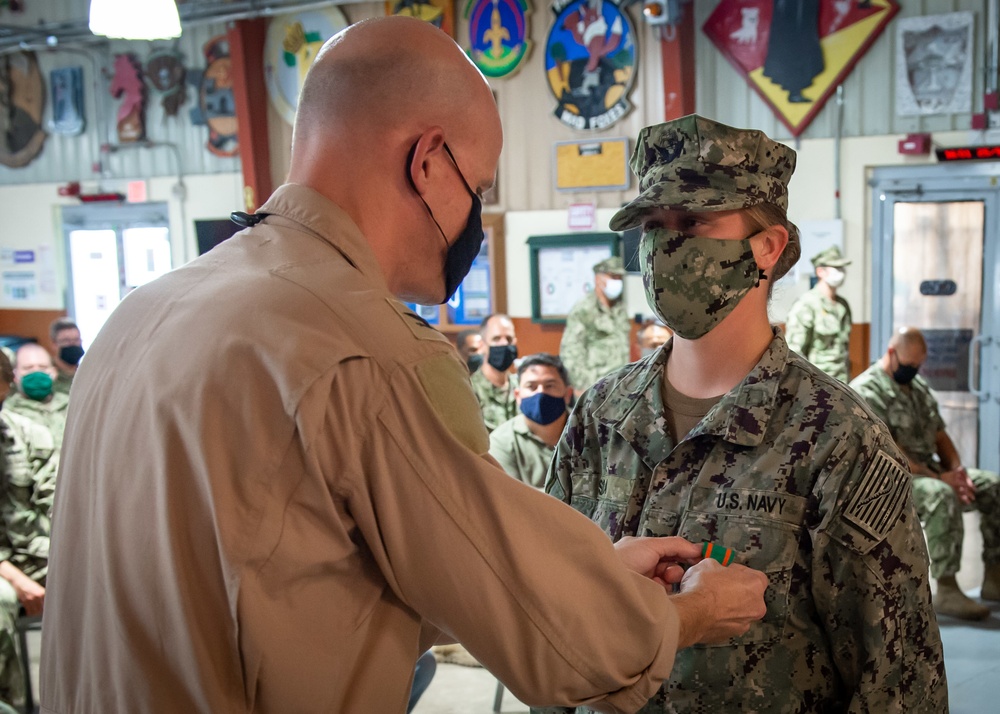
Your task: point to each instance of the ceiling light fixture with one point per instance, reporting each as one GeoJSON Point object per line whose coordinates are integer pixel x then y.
{"type": "Point", "coordinates": [132, 20]}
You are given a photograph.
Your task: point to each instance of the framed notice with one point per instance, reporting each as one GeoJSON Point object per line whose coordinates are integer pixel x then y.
{"type": "Point", "coordinates": [562, 271]}
{"type": "Point", "coordinates": [590, 165]}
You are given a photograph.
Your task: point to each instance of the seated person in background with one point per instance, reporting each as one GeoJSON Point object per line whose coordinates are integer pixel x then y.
{"type": "Point", "coordinates": [651, 336]}
{"type": "Point", "coordinates": [34, 377]}
{"type": "Point", "coordinates": [493, 385]}
{"type": "Point", "coordinates": [469, 344]}
{"type": "Point", "coordinates": [942, 487]}
{"type": "Point", "coordinates": [65, 336]}
{"type": "Point", "coordinates": [28, 463]}
{"type": "Point", "coordinates": [523, 446]}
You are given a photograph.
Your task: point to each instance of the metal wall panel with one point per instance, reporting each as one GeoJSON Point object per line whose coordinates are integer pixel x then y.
{"type": "Point", "coordinates": [869, 90]}
{"type": "Point", "coordinates": [72, 158]}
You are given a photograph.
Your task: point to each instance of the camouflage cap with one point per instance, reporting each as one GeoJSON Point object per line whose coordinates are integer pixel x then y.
{"type": "Point", "coordinates": [696, 164]}
{"type": "Point", "coordinates": [831, 257]}
{"type": "Point", "coordinates": [611, 266]}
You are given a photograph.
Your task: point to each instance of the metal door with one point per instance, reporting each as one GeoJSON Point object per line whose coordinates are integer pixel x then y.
{"type": "Point", "coordinates": [935, 266]}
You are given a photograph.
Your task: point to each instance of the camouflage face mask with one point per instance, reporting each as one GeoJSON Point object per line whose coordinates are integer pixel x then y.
{"type": "Point", "coordinates": [693, 282]}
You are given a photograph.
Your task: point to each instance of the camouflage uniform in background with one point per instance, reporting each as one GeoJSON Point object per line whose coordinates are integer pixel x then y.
{"type": "Point", "coordinates": [819, 329]}
{"type": "Point", "coordinates": [911, 413]}
{"type": "Point", "coordinates": [595, 340]}
{"type": "Point", "coordinates": [50, 414]}
{"type": "Point", "coordinates": [62, 382]}
{"type": "Point", "coordinates": [792, 472]}
{"type": "Point", "coordinates": [27, 484]}
{"type": "Point", "coordinates": [520, 453]}
{"type": "Point", "coordinates": [497, 403]}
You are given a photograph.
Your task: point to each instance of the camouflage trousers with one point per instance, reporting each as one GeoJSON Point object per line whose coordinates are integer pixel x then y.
{"type": "Point", "coordinates": [941, 515]}
{"type": "Point", "coordinates": [11, 676]}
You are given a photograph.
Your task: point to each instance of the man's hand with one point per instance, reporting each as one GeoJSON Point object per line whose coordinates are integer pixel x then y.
{"type": "Point", "coordinates": [959, 480]}
{"type": "Point", "coordinates": [658, 558]}
{"type": "Point", "coordinates": [716, 602]}
{"type": "Point", "coordinates": [30, 594]}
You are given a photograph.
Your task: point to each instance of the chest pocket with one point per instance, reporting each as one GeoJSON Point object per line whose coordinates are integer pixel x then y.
{"type": "Point", "coordinates": [827, 324]}
{"type": "Point", "coordinates": [603, 499]}
{"type": "Point", "coordinates": [763, 529]}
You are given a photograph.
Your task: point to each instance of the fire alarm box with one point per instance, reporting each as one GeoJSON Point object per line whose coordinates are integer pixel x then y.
{"type": "Point", "coordinates": [918, 144]}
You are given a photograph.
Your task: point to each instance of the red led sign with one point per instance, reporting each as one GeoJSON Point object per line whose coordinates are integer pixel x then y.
{"type": "Point", "coordinates": [968, 153]}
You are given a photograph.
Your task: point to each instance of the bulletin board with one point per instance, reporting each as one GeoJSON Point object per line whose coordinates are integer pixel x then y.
{"type": "Point", "coordinates": [562, 271]}
{"type": "Point", "coordinates": [591, 165]}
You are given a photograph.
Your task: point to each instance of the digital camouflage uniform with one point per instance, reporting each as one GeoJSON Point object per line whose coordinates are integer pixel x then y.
{"type": "Point", "coordinates": [50, 414]}
{"type": "Point", "coordinates": [497, 403]}
{"type": "Point", "coordinates": [520, 453]}
{"type": "Point", "coordinates": [819, 329]}
{"type": "Point", "coordinates": [793, 472]}
{"type": "Point", "coordinates": [63, 382]}
{"type": "Point", "coordinates": [27, 485]}
{"type": "Point", "coordinates": [595, 340]}
{"type": "Point", "coordinates": [911, 413]}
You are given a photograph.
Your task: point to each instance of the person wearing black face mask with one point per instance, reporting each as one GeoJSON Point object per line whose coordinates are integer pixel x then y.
{"type": "Point", "coordinates": [65, 336]}
{"type": "Point", "coordinates": [942, 486]}
{"type": "Point", "coordinates": [524, 445]}
{"type": "Point", "coordinates": [468, 342]}
{"type": "Point", "coordinates": [493, 384]}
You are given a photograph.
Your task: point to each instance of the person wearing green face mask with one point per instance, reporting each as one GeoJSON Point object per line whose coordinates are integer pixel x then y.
{"type": "Point", "coordinates": [35, 398]}
{"type": "Point", "coordinates": [725, 435]}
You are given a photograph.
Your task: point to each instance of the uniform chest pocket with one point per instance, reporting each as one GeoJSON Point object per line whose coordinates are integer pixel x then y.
{"type": "Point", "coordinates": [763, 528]}
{"type": "Point", "coordinates": [827, 324]}
{"type": "Point", "coordinates": [901, 419]}
{"type": "Point", "coordinates": [603, 499]}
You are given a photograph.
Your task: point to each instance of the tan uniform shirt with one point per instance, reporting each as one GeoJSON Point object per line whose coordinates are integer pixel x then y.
{"type": "Point", "coordinates": [287, 502]}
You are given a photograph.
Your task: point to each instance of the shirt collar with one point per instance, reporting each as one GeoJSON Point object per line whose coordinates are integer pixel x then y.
{"type": "Point", "coordinates": [635, 407]}
{"type": "Point", "coordinates": [328, 221]}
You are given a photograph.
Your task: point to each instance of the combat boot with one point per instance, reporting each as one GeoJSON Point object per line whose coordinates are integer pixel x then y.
{"type": "Point", "coordinates": [991, 583]}
{"type": "Point", "coordinates": [950, 600]}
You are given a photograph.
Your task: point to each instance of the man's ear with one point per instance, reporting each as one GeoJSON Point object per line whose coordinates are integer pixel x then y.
{"type": "Point", "coordinates": [771, 243]}
{"type": "Point", "coordinates": [569, 396]}
{"type": "Point", "coordinates": [430, 143]}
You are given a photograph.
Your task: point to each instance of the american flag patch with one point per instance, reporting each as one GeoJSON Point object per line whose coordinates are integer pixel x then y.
{"type": "Point", "coordinates": [878, 498]}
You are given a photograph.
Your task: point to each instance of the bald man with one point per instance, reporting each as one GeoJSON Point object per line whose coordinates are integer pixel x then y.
{"type": "Point", "coordinates": [942, 486]}
{"type": "Point", "coordinates": [288, 499]}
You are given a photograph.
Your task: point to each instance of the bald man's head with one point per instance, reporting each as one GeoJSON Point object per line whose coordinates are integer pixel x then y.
{"type": "Point", "coordinates": [397, 127]}
{"type": "Point", "coordinates": [392, 75]}
{"type": "Point", "coordinates": [908, 338]}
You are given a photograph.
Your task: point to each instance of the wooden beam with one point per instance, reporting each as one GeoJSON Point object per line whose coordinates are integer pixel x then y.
{"type": "Point", "coordinates": [246, 51]}
{"type": "Point", "coordinates": [677, 55]}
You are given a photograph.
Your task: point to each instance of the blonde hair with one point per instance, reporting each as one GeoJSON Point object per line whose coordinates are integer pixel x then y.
{"type": "Point", "coordinates": [764, 215]}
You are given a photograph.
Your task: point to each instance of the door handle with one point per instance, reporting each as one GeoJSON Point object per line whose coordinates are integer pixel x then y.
{"type": "Point", "coordinates": [978, 340]}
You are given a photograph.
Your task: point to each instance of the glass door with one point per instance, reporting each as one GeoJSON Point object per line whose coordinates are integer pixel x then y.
{"type": "Point", "coordinates": [934, 267]}
{"type": "Point", "coordinates": [112, 250]}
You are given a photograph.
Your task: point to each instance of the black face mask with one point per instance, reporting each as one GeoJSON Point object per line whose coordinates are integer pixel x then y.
{"type": "Point", "coordinates": [904, 373]}
{"type": "Point", "coordinates": [71, 354]}
{"type": "Point", "coordinates": [464, 250]}
{"type": "Point", "coordinates": [475, 362]}
{"type": "Point", "coordinates": [502, 357]}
